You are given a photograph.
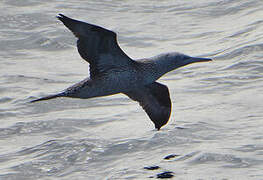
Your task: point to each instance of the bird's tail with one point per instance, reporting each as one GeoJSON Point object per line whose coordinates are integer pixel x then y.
{"type": "Point", "coordinates": [47, 97]}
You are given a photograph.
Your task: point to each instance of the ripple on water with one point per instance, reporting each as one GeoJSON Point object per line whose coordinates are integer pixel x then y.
{"type": "Point", "coordinates": [244, 51]}
{"type": "Point", "coordinates": [225, 160]}
{"type": "Point", "coordinates": [53, 157]}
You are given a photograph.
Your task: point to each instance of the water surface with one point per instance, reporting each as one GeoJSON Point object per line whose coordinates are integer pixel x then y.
{"type": "Point", "coordinates": [215, 130]}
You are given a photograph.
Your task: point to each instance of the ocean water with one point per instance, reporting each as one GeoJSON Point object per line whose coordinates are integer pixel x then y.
{"type": "Point", "coordinates": [215, 130]}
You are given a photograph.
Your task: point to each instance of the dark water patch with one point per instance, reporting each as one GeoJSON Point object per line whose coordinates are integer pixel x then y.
{"type": "Point", "coordinates": [151, 167]}
{"type": "Point", "coordinates": [165, 175]}
{"type": "Point", "coordinates": [171, 156]}
{"type": "Point", "coordinates": [180, 127]}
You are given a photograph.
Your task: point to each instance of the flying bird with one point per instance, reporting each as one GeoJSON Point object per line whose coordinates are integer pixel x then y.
{"type": "Point", "coordinates": [112, 71]}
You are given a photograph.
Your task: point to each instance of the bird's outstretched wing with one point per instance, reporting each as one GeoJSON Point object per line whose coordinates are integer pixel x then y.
{"type": "Point", "coordinates": [96, 45]}
{"type": "Point", "coordinates": [155, 100]}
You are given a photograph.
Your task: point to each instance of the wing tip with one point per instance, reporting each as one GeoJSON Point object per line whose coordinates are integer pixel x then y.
{"type": "Point", "coordinates": [47, 97]}
{"type": "Point", "coordinates": [61, 16]}
{"type": "Point", "coordinates": [72, 23]}
{"type": "Point", "coordinates": [64, 18]}
{"type": "Point", "coordinates": [68, 22]}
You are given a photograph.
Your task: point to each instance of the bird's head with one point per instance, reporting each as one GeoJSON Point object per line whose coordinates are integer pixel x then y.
{"type": "Point", "coordinates": [171, 61]}
{"type": "Point", "coordinates": [180, 59]}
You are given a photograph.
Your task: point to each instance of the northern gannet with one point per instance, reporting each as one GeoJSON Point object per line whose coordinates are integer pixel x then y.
{"type": "Point", "coordinates": [112, 71]}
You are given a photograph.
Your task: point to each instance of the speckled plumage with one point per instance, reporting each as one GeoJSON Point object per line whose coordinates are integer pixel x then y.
{"type": "Point", "coordinates": [112, 71]}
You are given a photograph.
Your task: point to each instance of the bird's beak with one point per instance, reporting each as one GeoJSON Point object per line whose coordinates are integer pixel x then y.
{"type": "Point", "coordinates": [197, 59]}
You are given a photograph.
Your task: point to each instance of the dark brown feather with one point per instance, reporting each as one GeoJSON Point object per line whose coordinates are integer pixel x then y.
{"type": "Point", "coordinates": [155, 100]}
{"type": "Point", "coordinates": [96, 45]}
